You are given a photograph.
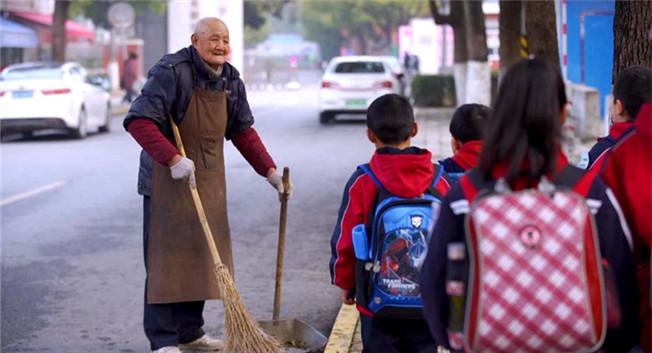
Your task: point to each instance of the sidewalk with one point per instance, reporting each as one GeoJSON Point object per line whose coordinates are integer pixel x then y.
{"type": "Point", "coordinates": [118, 107]}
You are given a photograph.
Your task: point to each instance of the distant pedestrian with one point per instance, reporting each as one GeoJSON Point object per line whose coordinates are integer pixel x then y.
{"type": "Point", "coordinates": [407, 62]}
{"type": "Point", "coordinates": [415, 64]}
{"type": "Point", "coordinates": [129, 77]}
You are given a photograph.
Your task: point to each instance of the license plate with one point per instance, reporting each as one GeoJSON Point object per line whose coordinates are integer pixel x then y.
{"type": "Point", "coordinates": [356, 103]}
{"type": "Point", "coordinates": [22, 94]}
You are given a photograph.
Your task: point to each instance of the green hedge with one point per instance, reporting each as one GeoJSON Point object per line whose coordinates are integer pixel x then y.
{"type": "Point", "coordinates": [433, 91]}
{"type": "Point", "coordinates": [439, 90]}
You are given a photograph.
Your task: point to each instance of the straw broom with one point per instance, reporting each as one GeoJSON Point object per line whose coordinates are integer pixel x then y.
{"type": "Point", "coordinates": [243, 335]}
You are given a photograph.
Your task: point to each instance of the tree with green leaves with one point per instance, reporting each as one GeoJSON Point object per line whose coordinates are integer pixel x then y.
{"type": "Point", "coordinates": [258, 16]}
{"type": "Point", "coordinates": [96, 11]}
{"type": "Point", "coordinates": [363, 26]}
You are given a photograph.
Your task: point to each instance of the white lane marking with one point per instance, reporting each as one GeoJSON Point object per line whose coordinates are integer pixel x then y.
{"type": "Point", "coordinates": [33, 192]}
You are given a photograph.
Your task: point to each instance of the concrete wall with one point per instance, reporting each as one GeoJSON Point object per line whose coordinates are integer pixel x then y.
{"type": "Point", "coordinates": [585, 111]}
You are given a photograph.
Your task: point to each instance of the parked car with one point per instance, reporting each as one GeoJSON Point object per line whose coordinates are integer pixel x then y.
{"type": "Point", "coordinates": [351, 83]}
{"type": "Point", "coordinates": [50, 96]}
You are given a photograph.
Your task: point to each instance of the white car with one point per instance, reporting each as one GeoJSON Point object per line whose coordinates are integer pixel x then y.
{"type": "Point", "coordinates": [46, 96]}
{"type": "Point", "coordinates": [351, 83]}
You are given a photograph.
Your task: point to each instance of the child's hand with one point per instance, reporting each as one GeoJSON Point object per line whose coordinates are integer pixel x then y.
{"type": "Point", "coordinates": [347, 296]}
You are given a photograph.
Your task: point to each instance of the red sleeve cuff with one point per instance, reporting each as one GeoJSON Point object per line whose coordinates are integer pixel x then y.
{"type": "Point", "coordinates": [253, 150]}
{"type": "Point", "coordinates": [152, 140]}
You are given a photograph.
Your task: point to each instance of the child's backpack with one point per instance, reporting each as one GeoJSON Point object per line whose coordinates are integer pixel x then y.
{"type": "Point", "coordinates": [536, 280]}
{"type": "Point", "coordinates": [391, 248]}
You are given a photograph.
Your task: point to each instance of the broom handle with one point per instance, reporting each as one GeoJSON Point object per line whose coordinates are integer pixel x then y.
{"type": "Point", "coordinates": [280, 251]}
{"type": "Point", "coordinates": [198, 205]}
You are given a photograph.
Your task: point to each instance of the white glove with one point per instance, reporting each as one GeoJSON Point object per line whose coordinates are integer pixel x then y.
{"type": "Point", "coordinates": [276, 180]}
{"type": "Point", "coordinates": [184, 168]}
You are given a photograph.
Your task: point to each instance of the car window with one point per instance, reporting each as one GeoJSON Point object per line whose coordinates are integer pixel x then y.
{"type": "Point", "coordinates": [48, 73]}
{"type": "Point", "coordinates": [360, 67]}
{"type": "Point", "coordinates": [76, 74]}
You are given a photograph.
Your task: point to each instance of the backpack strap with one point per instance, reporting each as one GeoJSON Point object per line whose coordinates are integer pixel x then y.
{"type": "Point", "coordinates": [579, 180]}
{"type": "Point", "coordinates": [439, 172]}
{"type": "Point", "coordinates": [433, 189]}
{"type": "Point", "coordinates": [471, 184]}
{"type": "Point", "coordinates": [366, 168]}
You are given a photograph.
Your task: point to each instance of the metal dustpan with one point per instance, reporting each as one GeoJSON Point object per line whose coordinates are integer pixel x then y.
{"type": "Point", "coordinates": [289, 332]}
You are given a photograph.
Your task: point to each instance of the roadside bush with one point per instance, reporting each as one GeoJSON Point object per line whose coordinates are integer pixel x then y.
{"type": "Point", "coordinates": [433, 91]}
{"type": "Point", "coordinates": [439, 90]}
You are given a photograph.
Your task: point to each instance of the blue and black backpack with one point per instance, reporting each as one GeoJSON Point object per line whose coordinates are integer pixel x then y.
{"type": "Point", "coordinates": [391, 248]}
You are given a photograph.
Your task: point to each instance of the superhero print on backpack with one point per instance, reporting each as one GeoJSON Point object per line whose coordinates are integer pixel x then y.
{"type": "Point", "coordinates": [391, 248]}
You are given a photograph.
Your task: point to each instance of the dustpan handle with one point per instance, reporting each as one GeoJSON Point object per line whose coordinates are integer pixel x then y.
{"type": "Point", "coordinates": [280, 251]}
{"type": "Point", "coordinates": [217, 261]}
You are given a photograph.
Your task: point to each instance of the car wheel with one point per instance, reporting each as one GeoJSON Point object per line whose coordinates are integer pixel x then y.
{"type": "Point", "coordinates": [82, 129]}
{"type": "Point", "coordinates": [326, 117]}
{"type": "Point", "coordinates": [107, 120]}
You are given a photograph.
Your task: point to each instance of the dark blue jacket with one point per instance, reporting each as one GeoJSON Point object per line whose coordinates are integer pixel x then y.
{"type": "Point", "coordinates": [452, 169]}
{"type": "Point", "coordinates": [167, 94]}
{"type": "Point", "coordinates": [615, 246]}
{"type": "Point", "coordinates": [603, 147]}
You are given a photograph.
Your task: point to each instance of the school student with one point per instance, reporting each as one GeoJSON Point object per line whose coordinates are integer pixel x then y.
{"type": "Point", "coordinates": [628, 173]}
{"type": "Point", "coordinates": [466, 128]}
{"type": "Point", "coordinates": [522, 151]}
{"type": "Point", "coordinates": [633, 88]}
{"type": "Point", "coordinates": [396, 169]}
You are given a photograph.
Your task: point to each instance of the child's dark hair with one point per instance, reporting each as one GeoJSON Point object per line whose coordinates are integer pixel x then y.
{"type": "Point", "coordinates": [390, 117]}
{"type": "Point", "coordinates": [634, 88]}
{"type": "Point", "coordinates": [468, 122]}
{"type": "Point", "coordinates": [525, 123]}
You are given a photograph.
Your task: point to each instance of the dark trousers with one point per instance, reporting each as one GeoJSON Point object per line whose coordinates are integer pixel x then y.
{"type": "Point", "coordinates": [169, 324]}
{"type": "Point", "coordinates": [383, 335]}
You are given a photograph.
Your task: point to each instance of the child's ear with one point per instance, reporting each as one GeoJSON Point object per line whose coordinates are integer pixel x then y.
{"type": "Point", "coordinates": [372, 136]}
{"type": "Point", "coordinates": [455, 145]}
{"type": "Point", "coordinates": [415, 129]}
{"type": "Point", "coordinates": [620, 108]}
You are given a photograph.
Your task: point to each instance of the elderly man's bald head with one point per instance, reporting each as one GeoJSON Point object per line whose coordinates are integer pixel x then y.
{"type": "Point", "coordinates": [207, 24]}
{"type": "Point", "coordinates": [211, 40]}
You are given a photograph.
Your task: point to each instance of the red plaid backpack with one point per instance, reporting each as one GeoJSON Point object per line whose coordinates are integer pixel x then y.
{"type": "Point", "coordinates": [535, 271]}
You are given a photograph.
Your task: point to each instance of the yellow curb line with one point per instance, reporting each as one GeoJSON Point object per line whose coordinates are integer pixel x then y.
{"type": "Point", "coordinates": [343, 331]}
{"type": "Point", "coordinates": [119, 110]}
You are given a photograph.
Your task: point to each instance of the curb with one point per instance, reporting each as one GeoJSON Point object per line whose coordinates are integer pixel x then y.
{"type": "Point", "coordinates": [343, 335]}
{"type": "Point", "coordinates": [120, 109]}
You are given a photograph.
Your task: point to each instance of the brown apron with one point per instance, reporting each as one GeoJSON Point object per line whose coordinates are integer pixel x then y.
{"type": "Point", "coordinates": [179, 264]}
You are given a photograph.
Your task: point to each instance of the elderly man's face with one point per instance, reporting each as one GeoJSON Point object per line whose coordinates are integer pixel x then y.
{"type": "Point", "coordinates": [212, 43]}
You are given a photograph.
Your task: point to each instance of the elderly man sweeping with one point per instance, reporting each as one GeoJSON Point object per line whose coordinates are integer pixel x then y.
{"type": "Point", "coordinates": [204, 95]}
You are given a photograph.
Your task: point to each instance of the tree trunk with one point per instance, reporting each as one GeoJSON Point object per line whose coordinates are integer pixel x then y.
{"type": "Point", "coordinates": [478, 79]}
{"type": "Point", "coordinates": [541, 30]}
{"type": "Point", "coordinates": [632, 35]}
{"type": "Point", "coordinates": [59, 30]}
{"type": "Point", "coordinates": [460, 53]}
{"type": "Point", "coordinates": [509, 23]}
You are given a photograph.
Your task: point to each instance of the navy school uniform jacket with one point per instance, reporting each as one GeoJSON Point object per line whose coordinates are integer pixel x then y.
{"type": "Point", "coordinates": [602, 148]}
{"type": "Point", "coordinates": [404, 173]}
{"type": "Point", "coordinates": [615, 246]}
{"type": "Point", "coordinates": [464, 160]}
